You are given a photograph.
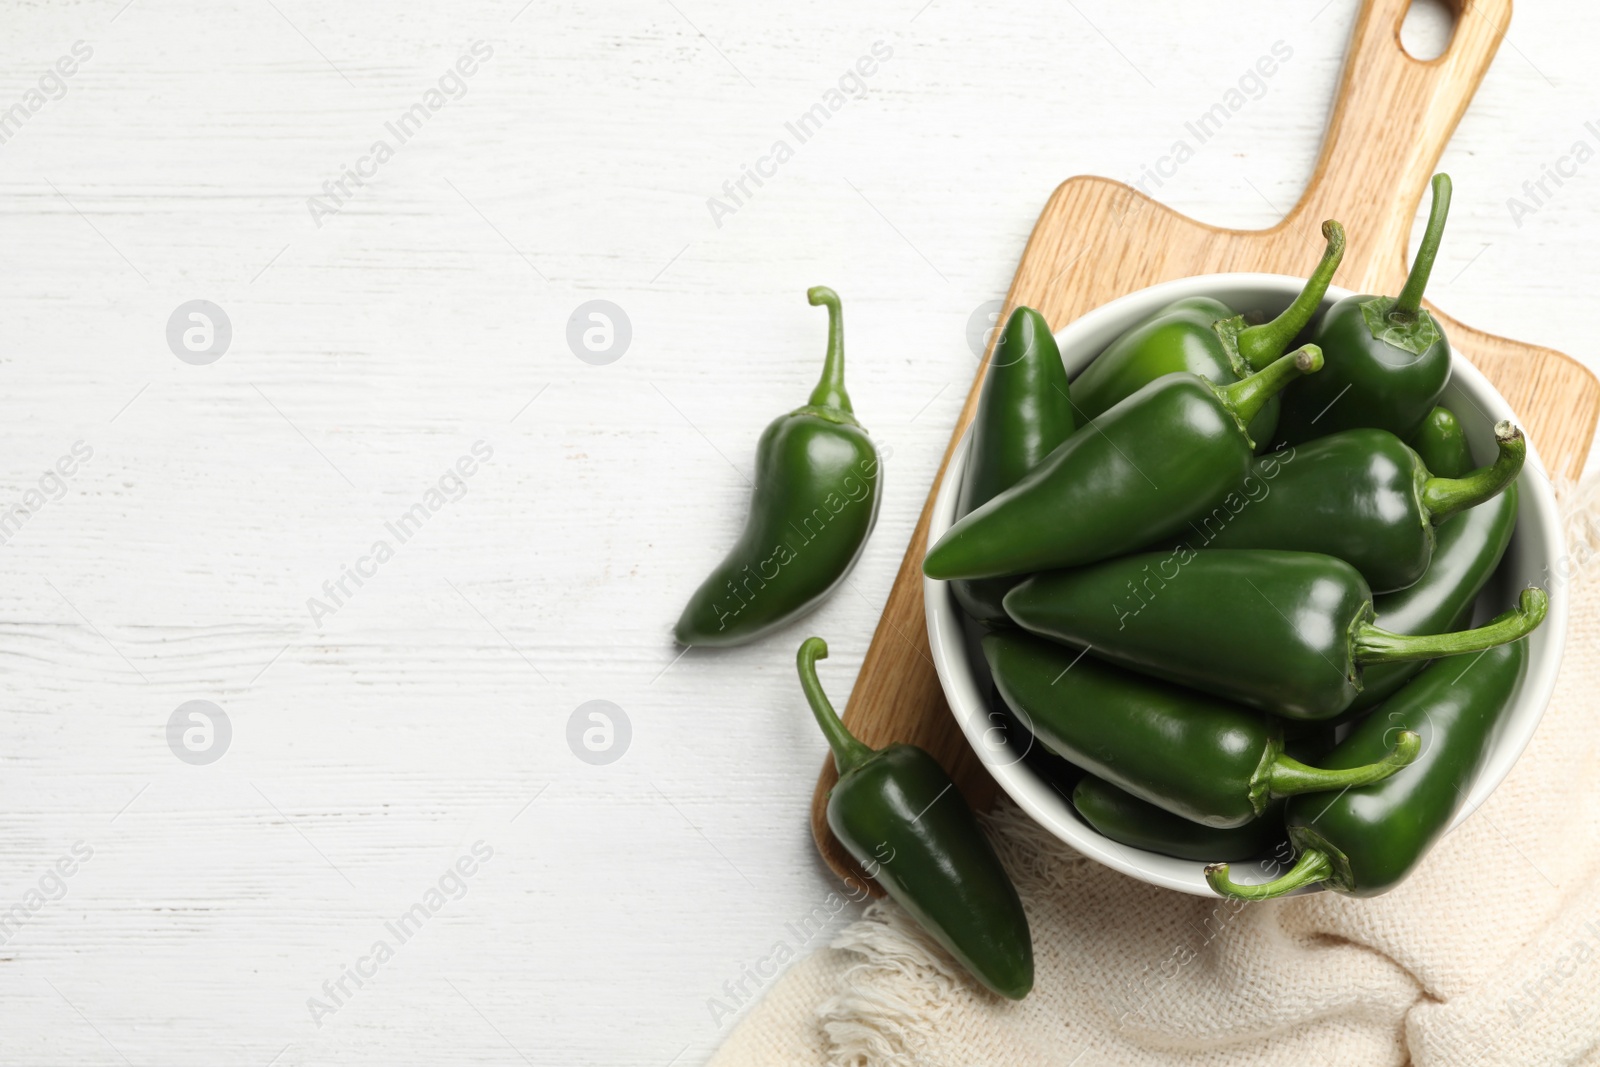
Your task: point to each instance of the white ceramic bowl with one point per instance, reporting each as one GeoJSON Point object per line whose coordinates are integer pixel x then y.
{"type": "Point", "coordinates": [1534, 553]}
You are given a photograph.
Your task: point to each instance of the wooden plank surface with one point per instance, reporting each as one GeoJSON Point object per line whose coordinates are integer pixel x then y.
{"type": "Point", "coordinates": [623, 901]}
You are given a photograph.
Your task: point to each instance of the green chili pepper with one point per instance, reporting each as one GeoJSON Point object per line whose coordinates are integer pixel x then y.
{"type": "Point", "coordinates": [1365, 497]}
{"type": "Point", "coordinates": [1137, 474]}
{"type": "Point", "coordinates": [1470, 549]}
{"type": "Point", "coordinates": [1024, 413]}
{"type": "Point", "coordinates": [1193, 755]}
{"type": "Point", "coordinates": [815, 501]}
{"type": "Point", "coordinates": [1388, 359]}
{"type": "Point", "coordinates": [901, 817]}
{"type": "Point", "coordinates": [1005, 727]}
{"type": "Point", "coordinates": [1127, 820]}
{"type": "Point", "coordinates": [1367, 840]}
{"type": "Point", "coordinates": [1441, 441]}
{"type": "Point", "coordinates": [1285, 632]}
{"type": "Point", "coordinates": [1208, 338]}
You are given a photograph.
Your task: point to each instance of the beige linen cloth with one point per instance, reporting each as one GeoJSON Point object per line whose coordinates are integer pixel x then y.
{"type": "Point", "coordinates": [1488, 955]}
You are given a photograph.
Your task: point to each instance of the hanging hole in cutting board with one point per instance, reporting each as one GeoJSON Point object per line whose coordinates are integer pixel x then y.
{"type": "Point", "coordinates": [1428, 26]}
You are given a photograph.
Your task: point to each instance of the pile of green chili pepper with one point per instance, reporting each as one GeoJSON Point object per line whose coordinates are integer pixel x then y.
{"type": "Point", "coordinates": [1218, 574]}
{"type": "Point", "coordinates": [1227, 578]}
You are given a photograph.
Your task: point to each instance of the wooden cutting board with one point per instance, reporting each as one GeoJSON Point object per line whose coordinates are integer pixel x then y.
{"type": "Point", "coordinates": [1098, 239]}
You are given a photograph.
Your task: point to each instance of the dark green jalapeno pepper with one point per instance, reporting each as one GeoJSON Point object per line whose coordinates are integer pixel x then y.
{"type": "Point", "coordinates": [1124, 818]}
{"type": "Point", "coordinates": [1366, 841]}
{"type": "Point", "coordinates": [1127, 820]}
{"type": "Point", "coordinates": [900, 816]}
{"type": "Point", "coordinates": [1388, 359]}
{"type": "Point", "coordinates": [815, 501]}
{"type": "Point", "coordinates": [1470, 548]}
{"type": "Point", "coordinates": [1208, 338]}
{"type": "Point", "coordinates": [1365, 497]}
{"type": "Point", "coordinates": [1441, 441]}
{"type": "Point", "coordinates": [1193, 755]}
{"type": "Point", "coordinates": [1285, 632]}
{"type": "Point", "coordinates": [1024, 413]}
{"type": "Point", "coordinates": [1137, 474]}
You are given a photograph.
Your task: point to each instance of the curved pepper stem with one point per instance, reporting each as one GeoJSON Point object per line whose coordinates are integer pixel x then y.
{"type": "Point", "coordinates": [1443, 497]}
{"type": "Point", "coordinates": [1247, 396]}
{"type": "Point", "coordinates": [1409, 301]}
{"type": "Point", "coordinates": [1312, 867]}
{"type": "Point", "coordinates": [848, 753]}
{"type": "Point", "coordinates": [1287, 777]}
{"type": "Point", "coordinates": [1376, 645]}
{"type": "Point", "coordinates": [1260, 345]}
{"type": "Point", "coordinates": [829, 392]}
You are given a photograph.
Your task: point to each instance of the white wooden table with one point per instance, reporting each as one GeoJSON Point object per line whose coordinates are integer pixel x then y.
{"type": "Point", "coordinates": [614, 913]}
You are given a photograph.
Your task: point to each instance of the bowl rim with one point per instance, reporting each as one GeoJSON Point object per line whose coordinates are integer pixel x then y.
{"type": "Point", "coordinates": [1043, 802]}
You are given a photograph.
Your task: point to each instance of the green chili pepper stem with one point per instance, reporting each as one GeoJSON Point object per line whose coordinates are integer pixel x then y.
{"type": "Point", "coordinates": [1409, 302]}
{"type": "Point", "coordinates": [1312, 867]}
{"type": "Point", "coordinates": [1443, 497]}
{"type": "Point", "coordinates": [1260, 345]}
{"type": "Point", "coordinates": [829, 392]}
{"type": "Point", "coordinates": [1287, 776]}
{"type": "Point", "coordinates": [1376, 645]}
{"type": "Point", "coordinates": [848, 753]}
{"type": "Point", "coordinates": [1247, 396]}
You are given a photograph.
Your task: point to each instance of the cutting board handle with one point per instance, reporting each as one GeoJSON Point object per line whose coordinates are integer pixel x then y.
{"type": "Point", "coordinates": [1393, 118]}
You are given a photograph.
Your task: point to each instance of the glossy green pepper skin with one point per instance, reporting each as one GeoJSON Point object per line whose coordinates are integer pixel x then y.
{"type": "Point", "coordinates": [816, 497]}
{"type": "Point", "coordinates": [1366, 841]}
{"type": "Point", "coordinates": [1119, 815]}
{"type": "Point", "coordinates": [1127, 820]}
{"type": "Point", "coordinates": [1192, 755]}
{"type": "Point", "coordinates": [1388, 359]}
{"type": "Point", "coordinates": [1205, 337]}
{"type": "Point", "coordinates": [1441, 441]}
{"type": "Point", "coordinates": [1365, 497]}
{"type": "Point", "coordinates": [1024, 413]}
{"type": "Point", "coordinates": [1139, 473]}
{"type": "Point", "coordinates": [1284, 632]}
{"type": "Point", "coordinates": [1470, 548]}
{"type": "Point", "coordinates": [899, 815]}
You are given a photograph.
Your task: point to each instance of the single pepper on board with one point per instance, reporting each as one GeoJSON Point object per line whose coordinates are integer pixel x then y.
{"type": "Point", "coordinates": [1190, 754]}
{"type": "Point", "coordinates": [1024, 413]}
{"type": "Point", "coordinates": [1138, 474]}
{"type": "Point", "coordinates": [1285, 632]}
{"type": "Point", "coordinates": [1365, 497]}
{"type": "Point", "coordinates": [1366, 841]}
{"type": "Point", "coordinates": [1388, 359]}
{"type": "Point", "coordinates": [1469, 550]}
{"type": "Point", "coordinates": [815, 501]}
{"type": "Point", "coordinates": [899, 815]}
{"type": "Point", "coordinates": [1205, 337]}
{"type": "Point", "coordinates": [1441, 441]}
